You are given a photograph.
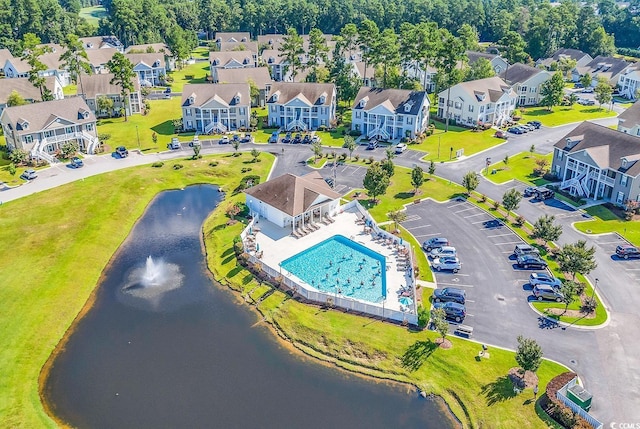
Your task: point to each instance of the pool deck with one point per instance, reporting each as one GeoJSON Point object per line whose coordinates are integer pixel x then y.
{"type": "Point", "coordinates": [276, 244]}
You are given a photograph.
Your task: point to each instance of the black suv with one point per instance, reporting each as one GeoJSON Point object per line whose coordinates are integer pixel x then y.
{"type": "Point", "coordinates": [435, 243]}
{"type": "Point", "coordinates": [542, 193]}
{"type": "Point", "coordinates": [306, 139]}
{"type": "Point", "coordinates": [122, 151]}
{"type": "Point", "coordinates": [527, 261]}
{"type": "Point", "coordinates": [372, 145]}
{"type": "Point", "coordinates": [626, 251]}
{"type": "Point", "coordinates": [287, 138]}
{"type": "Point", "coordinates": [449, 294]}
{"type": "Point", "coordinates": [452, 310]}
{"type": "Point", "coordinates": [297, 139]}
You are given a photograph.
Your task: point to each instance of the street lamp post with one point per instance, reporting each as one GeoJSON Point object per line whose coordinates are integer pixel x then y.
{"type": "Point", "coordinates": [488, 162]}
{"type": "Point", "coordinates": [138, 134]}
{"type": "Point", "coordinates": [593, 291]}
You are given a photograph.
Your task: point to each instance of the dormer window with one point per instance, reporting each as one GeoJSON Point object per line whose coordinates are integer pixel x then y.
{"type": "Point", "coordinates": [271, 59]}
{"type": "Point", "coordinates": [192, 99]}
{"type": "Point", "coordinates": [363, 102]}
{"type": "Point", "coordinates": [323, 99]}
{"type": "Point", "coordinates": [275, 97]}
{"type": "Point", "coordinates": [156, 63]}
{"type": "Point", "coordinates": [24, 125]}
{"type": "Point", "coordinates": [245, 61]}
{"type": "Point", "coordinates": [244, 39]}
{"type": "Point", "coordinates": [236, 99]}
{"type": "Point", "coordinates": [623, 163]}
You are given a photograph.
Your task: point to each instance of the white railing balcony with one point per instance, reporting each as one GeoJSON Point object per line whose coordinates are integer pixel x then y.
{"type": "Point", "coordinates": [215, 126]}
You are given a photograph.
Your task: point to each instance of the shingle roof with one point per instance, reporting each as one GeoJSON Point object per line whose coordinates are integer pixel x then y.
{"type": "Point", "coordinates": [148, 59]}
{"type": "Point", "coordinates": [606, 66]}
{"type": "Point", "coordinates": [475, 56]}
{"type": "Point", "coordinates": [518, 73]}
{"type": "Point", "coordinates": [224, 57]}
{"type": "Point", "coordinates": [157, 47]}
{"type": "Point", "coordinates": [234, 46]}
{"type": "Point", "coordinates": [222, 36]}
{"type": "Point", "coordinates": [98, 57]}
{"type": "Point", "coordinates": [293, 195]}
{"type": "Point", "coordinates": [392, 99]}
{"type": "Point", "coordinates": [99, 84]}
{"type": "Point", "coordinates": [271, 54]}
{"type": "Point", "coordinates": [371, 71]}
{"type": "Point", "coordinates": [631, 116]}
{"type": "Point", "coordinates": [40, 115]}
{"type": "Point", "coordinates": [605, 146]}
{"type": "Point", "coordinates": [202, 93]}
{"type": "Point", "coordinates": [99, 42]}
{"type": "Point", "coordinates": [494, 87]}
{"type": "Point", "coordinates": [287, 91]}
{"type": "Point", "coordinates": [5, 54]}
{"type": "Point", "coordinates": [24, 88]}
{"type": "Point", "coordinates": [259, 75]}
{"type": "Point", "coordinates": [273, 40]}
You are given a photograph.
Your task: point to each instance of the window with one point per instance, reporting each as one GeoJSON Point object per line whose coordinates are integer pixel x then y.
{"type": "Point", "coordinates": [241, 110]}
{"type": "Point", "coordinates": [481, 109]}
{"type": "Point", "coordinates": [457, 105]}
{"type": "Point", "coordinates": [314, 110]}
{"type": "Point", "coordinates": [533, 90]}
{"type": "Point", "coordinates": [470, 108]}
{"type": "Point", "coordinates": [48, 133]}
{"type": "Point", "coordinates": [187, 112]}
{"type": "Point", "coordinates": [620, 198]}
{"type": "Point", "coordinates": [358, 115]}
{"type": "Point", "coordinates": [623, 179]}
{"type": "Point", "coordinates": [524, 89]}
{"type": "Point", "coordinates": [560, 153]}
{"type": "Point", "coordinates": [28, 139]}
{"type": "Point", "coordinates": [232, 110]}
{"type": "Point", "coordinates": [68, 130]}
{"type": "Point", "coordinates": [409, 120]}
{"type": "Point", "coordinates": [89, 127]}
{"type": "Point", "coordinates": [441, 100]}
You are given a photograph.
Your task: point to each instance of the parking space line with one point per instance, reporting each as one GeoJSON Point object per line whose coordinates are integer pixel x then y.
{"type": "Point", "coordinates": [611, 242]}
{"type": "Point", "coordinates": [428, 235]}
{"type": "Point", "coordinates": [454, 284]}
{"type": "Point", "coordinates": [464, 210]}
{"type": "Point", "coordinates": [416, 227]}
{"type": "Point", "coordinates": [480, 221]}
{"type": "Point", "coordinates": [508, 242]}
{"type": "Point", "coordinates": [474, 215]}
{"type": "Point", "coordinates": [632, 269]}
{"type": "Point", "coordinates": [508, 252]}
{"type": "Point", "coordinates": [498, 235]}
{"type": "Point", "coordinates": [469, 300]}
{"type": "Point", "coordinates": [450, 207]}
{"type": "Point", "coordinates": [412, 218]}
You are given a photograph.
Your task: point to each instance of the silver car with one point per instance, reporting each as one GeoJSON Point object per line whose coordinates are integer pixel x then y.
{"type": "Point", "coordinates": [536, 279]}
{"type": "Point", "coordinates": [446, 263]}
{"type": "Point", "coordinates": [443, 251]}
{"type": "Point", "coordinates": [547, 292]}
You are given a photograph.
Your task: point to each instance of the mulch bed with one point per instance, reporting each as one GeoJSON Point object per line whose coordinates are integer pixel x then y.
{"type": "Point", "coordinates": [443, 344]}
{"type": "Point", "coordinates": [526, 381]}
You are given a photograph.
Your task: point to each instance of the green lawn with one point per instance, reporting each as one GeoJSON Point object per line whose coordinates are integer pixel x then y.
{"type": "Point", "coordinates": [61, 240]}
{"type": "Point", "coordinates": [605, 221]}
{"type": "Point", "coordinates": [93, 14]}
{"type": "Point", "coordinates": [70, 89]}
{"type": "Point", "coordinates": [520, 167]}
{"type": "Point", "coordinates": [158, 120]}
{"type": "Point", "coordinates": [438, 146]}
{"type": "Point", "coordinates": [564, 115]}
{"type": "Point", "coordinates": [386, 350]}
{"type": "Point", "coordinates": [197, 73]}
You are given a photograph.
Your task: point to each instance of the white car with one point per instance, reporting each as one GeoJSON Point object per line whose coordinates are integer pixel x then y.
{"type": "Point", "coordinates": [29, 175]}
{"type": "Point", "coordinates": [443, 251]}
{"type": "Point", "coordinates": [446, 263]}
{"type": "Point", "coordinates": [401, 147]}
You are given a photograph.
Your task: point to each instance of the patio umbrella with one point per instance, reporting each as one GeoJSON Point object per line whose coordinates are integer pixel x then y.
{"type": "Point", "coordinates": [257, 247]}
{"type": "Point", "coordinates": [405, 301]}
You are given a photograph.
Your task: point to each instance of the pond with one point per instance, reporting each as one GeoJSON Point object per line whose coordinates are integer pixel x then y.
{"type": "Point", "coordinates": [162, 346]}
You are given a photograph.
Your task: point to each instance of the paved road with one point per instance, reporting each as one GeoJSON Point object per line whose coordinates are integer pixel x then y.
{"type": "Point", "coordinates": [607, 359]}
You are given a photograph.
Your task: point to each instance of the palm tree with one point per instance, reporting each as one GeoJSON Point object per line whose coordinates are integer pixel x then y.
{"type": "Point", "coordinates": [397, 216]}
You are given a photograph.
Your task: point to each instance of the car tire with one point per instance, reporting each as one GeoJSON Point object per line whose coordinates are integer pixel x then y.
{"type": "Point", "coordinates": [437, 299]}
{"type": "Point", "coordinates": [455, 270]}
{"type": "Point", "coordinates": [539, 298]}
{"type": "Point", "coordinates": [429, 249]}
{"type": "Point", "coordinates": [526, 266]}
{"type": "Point", "coordinates": [458, 319]}
{"type": "Point", "coordinates": [626, 256]}
{"type": "Point", "coordinates": [438, 269]}
{"type": "Point", "coordinates": [558, 299]}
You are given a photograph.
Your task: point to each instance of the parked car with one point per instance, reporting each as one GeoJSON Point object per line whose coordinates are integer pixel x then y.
{"type": "Point", "coordinates": [501, 134]}
{"type": "Point", "coordinates": [329, 181]}
{"type": "Point", "coordinates": [236, 137]}
{"type": "Point", "coordinates": [435, 243]}
{"type": "Point", "coordinates": [443, 251]}
{"type": "Point", "coordinates": [527, 127]}
{"type": "Point", "coordinates": [297, 139]}
{"type": "Point", "coordinates": [586, 102]}
{"type": "Point", "coordinates": [167, 90]}
{"type": "Point", "coordinates": [29, 175]}
{"type": "Point", "coordinates": [588, 90]}
{"type": "Point", "coordinates": [76, 162]}
{"type": "Point", "coordinates": [547, 292]}
{"type": "Point", "coordinates": [535, 124]}
{"type": "Point", "coordinates": [524, 128]}
{"type": "Point", "coordinates": [525, 249]}
{"type": "Point", "coordinates": [122, 152]}
{"type": "Point", "coordinates": [274, 137]}
{"type": "Point", "coordinates": [224, 140]}
{"type": "Point", "coordinates": [174, 144]}
{"type": "Point", "coordinates": [452, 310]}
{"type": "Point", "coordinates": [315, 139]}
{"type": "Point", "coordinates": [194, 142]}
{"type": "Point", "coordinates": [447, 263]}
{"type": "Point", "coordinates": [449, 294]}
{"type": "Point", "coordinates": [543, 193]}
{"type": "Point", "coordinates": [529, 191]}
{"type": "Point", "coordinates": [306, 139]}
{"type": "Point", "coordinates": [536, 279]}
{"type": "Point", "coordinates": [626, 251]}
{"type": "Point", "coordinates": [372, 145]}
{"type": "Point", "coordinates": [286, 138]}
{"type": "Point", "coordinates": [527, 261]}
{"type": "Point", "coordinates": [401, 147]}
{"type": "Point", "coordinates": [577, 85]}
{"type": "Point", "coordinates": [247, 138]}
{"type": "Point", "coordinates": [516, 130]}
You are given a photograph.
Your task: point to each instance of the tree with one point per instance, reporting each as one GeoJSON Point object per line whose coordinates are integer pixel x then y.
{"type": "Point", "coordinates": [576, 258]}
{"type": "Point", "coordinates": [397, 217]}
{"type": "Point", "coordinates": [386, 51]}
{"type": "Point", "coordinates": [427, 46]}
{"type": "Point", "coordinates": [75, 59]}
{"type": "Point", "coordinates": [432, 167]}
{"type": "Point", "coordinates": [439, 320]}
{"type": "Point", "coordinates": [255, 153]}
{"type": "Point", "coordinates": [367, 36]}
{"type": "Point", "coordinates": [375, 181]}
{"type": "Point", "coordinates": [69, 149]}
{"type": "Point", "coordinates": [15, 99]}
{"type": "Point", "coordinates": [545, 229]}
{"type": "Point", "coordinates": [291, 50]}
{"type": "Point", "coordinates": [254, 91]}
{"type": "Point", "coordinates": [480, 69]}
{"type": "Point", "coordinates": [104, 104]}
{"type": "Point", "coordinates": [12, 169]}
{"type": "Point", "coordinates": [603, 92]}
{"type": "Point", "coordinates": [469, 37]}
{"type": "Point", "coordinates": [552, 91]}
{"type": "Point", "coordinates": [316, 148]}
{"type": "Point", "coordinates": [506, 160]}
{"type": "Point", "coordinates": [586, 80]}
{"type": "Point", "coordinates": [450, 53]}
{"type": "Point", "coordinates": [388, 167]}
{"type": "Point", "coordinates": [417, 178]}
{"type": "Point", "coordinates": [470, 181]}
{"type": "Point", "coordinates": [513, 48]}
{"type": "Point", "coordinates": [31, 54]}
{"type": "Point", "coordinates": [565, 65]}
{"type": "Point", "coordinates": [123, 74]}
{"type": "Point", "coordinates": [196, 151]}
{"type": "Point", "coordinates": [18, 156]}
{"type": "Point", "coordinates": [569, 291]}
{"type": "Point", "coordinates": [318, 51]}
{"type": "Point", "coordinates": [510, 200]}
{"type": "Point", "coordinates": [528, 354]}
{"type": "Point", "coordinates": [572, 99]}
{"type": "Point", "coordinates": [236, 146]}
{"type": "Point", "coordinates": [349, 144]}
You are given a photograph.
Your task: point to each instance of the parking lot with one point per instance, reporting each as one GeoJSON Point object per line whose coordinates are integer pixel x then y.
{"type": "Point", "coordinates": [497, 292]}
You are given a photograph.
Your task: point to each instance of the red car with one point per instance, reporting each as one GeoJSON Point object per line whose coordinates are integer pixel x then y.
{"type": "Point", "coordinates": [501, 134]}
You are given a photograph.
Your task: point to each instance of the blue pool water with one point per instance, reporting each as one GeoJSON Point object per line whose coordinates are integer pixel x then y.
{"type": "Point", "coordinates": [339, 265]}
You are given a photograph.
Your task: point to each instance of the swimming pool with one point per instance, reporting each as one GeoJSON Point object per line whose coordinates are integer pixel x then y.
{"type": "Point", "coordinates": [342, 266]}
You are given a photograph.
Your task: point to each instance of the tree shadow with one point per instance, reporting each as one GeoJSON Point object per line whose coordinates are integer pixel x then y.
{"type": "Point", "coordinates": [498, 391]}
{"type": "Point", "coordinates": [164, 128]}
{"type": "Point", "coordinates": [417, 354]}
{"type": "Point", "coordinates": [404, 195]}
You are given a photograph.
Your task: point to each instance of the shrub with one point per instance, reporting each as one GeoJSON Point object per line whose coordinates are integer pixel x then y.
{"type": "Point", "coordinates": [157, 164]}
{"type": "Point", "coordinates": [553, 252]}
{"type": "Point", "coordinates": [213, 164]}
{"type": "Point", "coordinates": [423, 316]}
{"type": "Point", "coordinates": [343, 156]}
{"type": "Point", "coordinates": [589, 305]}
{"type": "Point", "coordinates": [356, 157]}
{"type": "Point", "coordinates": [177, 166]}
{"type": "Point", "coordinates": [355, 133]}
{"type": "Point", "coordinates": [580, 287]}
{"type": "Point", "coordinates": [519, 221]}
{"type": "Point", "coordinates": [483, 198]}
{"type": "Point", "coordinates": [245, 169]}
{"type": "Point", "coordinates": [371, 160]}
{"type": "Point", "coordinates": [496, 205]}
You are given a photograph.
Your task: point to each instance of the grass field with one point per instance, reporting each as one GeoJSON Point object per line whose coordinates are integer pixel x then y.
{"type": "Point", "coordinates": [439, 145]}
{"type": "Point", "coordinates": [61, 240]}
{"type": "Point", "coordinates": [93, 14]}
{"type": "Point", "coordinates": [197, 73]}
{"type": "Point", "coordinates": [520, 167]}
{"type": "Point", "coordinates": [70, 89]}
{"type": "Point", "coordinates": [605, 221]}
{"type": "Point", "coordinates": [564, 115]}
